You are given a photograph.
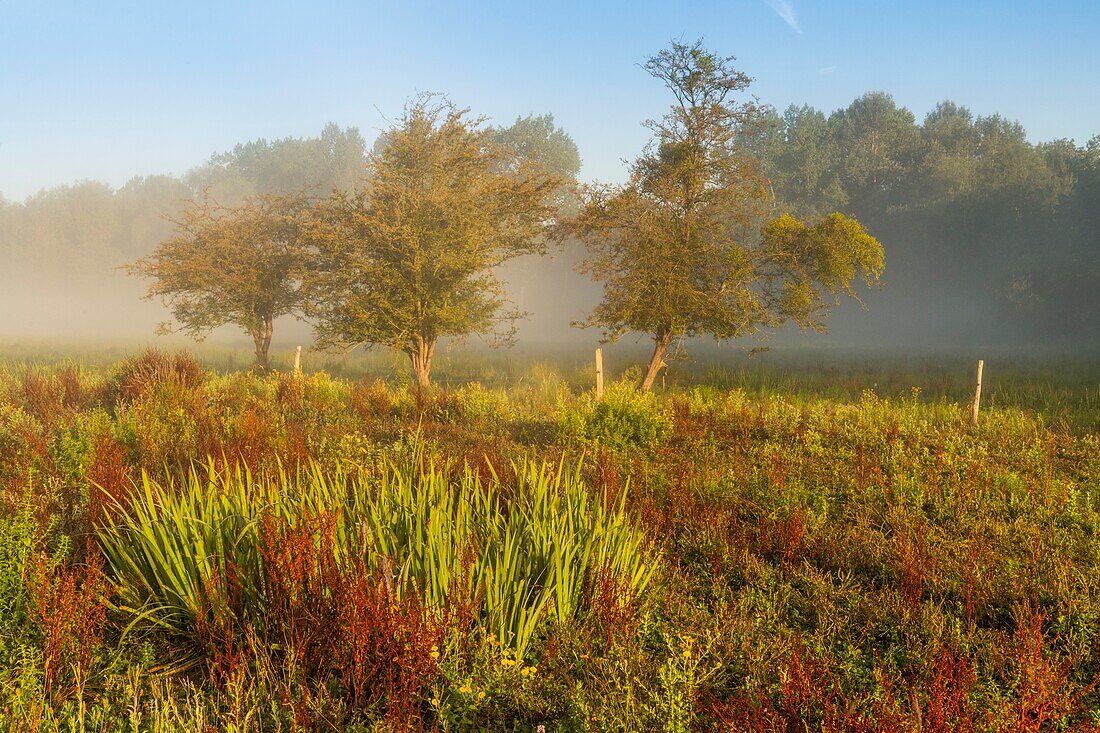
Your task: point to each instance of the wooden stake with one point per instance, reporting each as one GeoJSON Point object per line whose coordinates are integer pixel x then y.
{"type": "Point", "coordinates": [977, 395]}
{"type": "Point", "coordinates": [298, 360]}
{"type": "Point", "coordinates": [599, 374]}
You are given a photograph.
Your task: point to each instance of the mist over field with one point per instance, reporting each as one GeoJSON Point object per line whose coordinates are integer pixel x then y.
{"type": "Point", "coordinates": [990, 240]}
{"type": "Point", "coordinates": [432, 367]}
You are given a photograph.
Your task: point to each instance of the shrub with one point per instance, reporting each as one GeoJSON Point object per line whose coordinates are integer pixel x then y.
{"type": "Point", "coordinates": [21, 444]}
{"type": "Point", "coordinates": [68, 604]}
{"type": "Point", "coordinates": [625, 418]}
{"type": "Point", "coordinates": [20, 538]}
{"type": "Point", "coordinates": [164, 426]}
{"type": "Point", "coordinates": [136, 376]}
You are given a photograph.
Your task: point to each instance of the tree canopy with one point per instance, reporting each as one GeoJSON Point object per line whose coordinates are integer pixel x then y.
{"type": "Point", "coordinates": [411, 258]}
{"type": "Point", "coordinates": [679, 248]}
{"type": "Point", "coordinates": [992, 236]}
{"type": "Point", "coordinates": [239, 265]}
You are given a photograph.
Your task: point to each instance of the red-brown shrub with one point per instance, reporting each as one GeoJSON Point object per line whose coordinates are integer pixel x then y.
{"type": "Point", "coordinates": [348, 622]}
{"type": "Point", "coordinates": [109, 478]}
{"type": "Point", "coordinates": [68, 605]}
{"type": "Point", "coordinates": [43, 396]}
{"type": "Point", "coordinates": [137, 375]}
{"type": "Point", "coordinates": [1044, 695]}
{"type": "Point", "coordinates": [943, 704]}
{"type": "Point", "coordinates": [612, 607]}
{"type": "Point", "coordinates": [811, 697]}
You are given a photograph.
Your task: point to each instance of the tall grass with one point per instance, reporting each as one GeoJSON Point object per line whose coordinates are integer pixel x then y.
{"type": "Point", "coordinates": [840, 549]}
{"type": "Point", "coordinates": [185, 555]}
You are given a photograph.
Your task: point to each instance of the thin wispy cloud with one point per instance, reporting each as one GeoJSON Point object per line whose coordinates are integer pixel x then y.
{"type": "Point", "coordinates": [785, 10]}
{"type": "Point", "coordinates": [827, 70]}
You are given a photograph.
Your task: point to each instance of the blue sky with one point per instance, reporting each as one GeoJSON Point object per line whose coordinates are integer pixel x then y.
{"type": "Point", "coordinates": [111, 90]}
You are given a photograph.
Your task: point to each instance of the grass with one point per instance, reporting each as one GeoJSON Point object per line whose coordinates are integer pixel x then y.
{"type": "Point", "coordinates": [513, 561]}
{"type": "Point", "coordinates": [777, 545]}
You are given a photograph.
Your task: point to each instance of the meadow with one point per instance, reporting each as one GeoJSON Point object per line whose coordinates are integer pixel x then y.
{"type": "Point", "coordinates": [806, 543]}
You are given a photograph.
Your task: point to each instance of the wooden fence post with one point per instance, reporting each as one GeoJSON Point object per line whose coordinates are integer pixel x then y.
{"type": "Point", "coordinates": [977, 395]}
{"type": "Point", "coordinates": [599, 373]}
{"type": "Point", "coordinates": [298, 360]}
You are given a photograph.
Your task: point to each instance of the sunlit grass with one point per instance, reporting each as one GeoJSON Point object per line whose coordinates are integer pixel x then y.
{"type": "Point", "coordinates": [518, 556]}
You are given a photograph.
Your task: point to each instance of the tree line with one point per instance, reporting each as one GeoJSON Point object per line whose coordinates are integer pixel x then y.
{"type": "Point", "coordinates": [966, 202]}
{"type": "Point", "coordinates": [969, 208]}
{"type": "Point", "coordinates": [686, 247]}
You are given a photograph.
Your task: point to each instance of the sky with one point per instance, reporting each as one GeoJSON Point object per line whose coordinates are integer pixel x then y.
{"type": "Point", "coordinates": [107, 91]}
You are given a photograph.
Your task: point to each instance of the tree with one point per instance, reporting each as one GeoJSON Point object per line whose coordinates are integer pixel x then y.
{"type": "Point", "coordinates": [411, 259]}
{"type": "Point", "coordinates": [803, 162]}
{"type": "Point", "coordinates": [233, 266]}
{"type": "Point", "coordinates": [540, 143]}
{"type": "Point", "coordinates": [680, 248]}
{"type": "Point", "coordinates": [879, 143]}
{"type": "Point", "coordinates": [332, 160]}
{"type": "Point", "coordinates": [948, 168]}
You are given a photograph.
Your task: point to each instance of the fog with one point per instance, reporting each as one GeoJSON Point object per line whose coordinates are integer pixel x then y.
{"type": "Point", "coordinates": [991, 241]}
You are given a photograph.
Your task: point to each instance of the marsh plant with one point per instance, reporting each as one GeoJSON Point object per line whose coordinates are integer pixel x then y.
{"type": "Point", "coordinates": [182, 549]}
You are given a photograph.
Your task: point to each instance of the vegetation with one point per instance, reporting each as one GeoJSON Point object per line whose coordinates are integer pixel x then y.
{"type": "Point", "coordinates": [182, 549]}
{"type": "Point", "coordinates": [973, 212]}
{"type": "Point", "coordinates": [451, 541]}
{"type": "Point", "coordinates": [188, 548]}
{"type": "Point", "coordinates": [992, 238]}
{"type": "Point", "coordinates": [240, 266]}
{"type": "Point", "coordinates": [412, 258]}
{"type": "Point", "coordinates": [678, 248]}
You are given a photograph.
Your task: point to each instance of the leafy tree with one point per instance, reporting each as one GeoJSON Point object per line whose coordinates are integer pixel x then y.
{"type": "Point", "coordinates": [411, 260]}
{"type": "Point", "coordinates": [233, 266]}
{"type": "Point", "coordinates": [949, 165]}
{"type": "Point", "coordinates": [1010, 170]}
{"type": "Point", "coordinates": [679, 247]}
{"type": "Point", "coordinates": [878, 144]}
{"type": "Point", "coordinates": [333, 160]}
{"type": "Point", "coordinates": [803, 162]}
{"type": "Point", "coordinates": [537, 141]}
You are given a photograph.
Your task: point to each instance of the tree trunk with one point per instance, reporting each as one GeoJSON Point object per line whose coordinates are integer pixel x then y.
{"type": "Point", "coordinates": [261, 337]}
{"type": "Point", "coordinates": [420, 354]}
{"type": "Point", "coordinates": [660, 348]}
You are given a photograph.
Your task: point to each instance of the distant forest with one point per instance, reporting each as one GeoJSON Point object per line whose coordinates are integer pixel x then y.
{"type": "Point", "coordinates": [988, 237]}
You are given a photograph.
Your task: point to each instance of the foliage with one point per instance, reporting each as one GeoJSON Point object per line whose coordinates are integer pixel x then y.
{"type": "Point", "coordinates": [512, 561]}
{"type": "Point", "coordinates": [20, 538]}
{"type": "Point", "coordinates": [963, 200]}
{"type": "Point", "coordinates": [542, 144]}
{"type": "Point", "coordinates": [822, 556]}
{"type": "Point", "coordinates": [20, 435]}
{"type": "Point", "coordinates": [411, 259]}
{"type": "Point", "coordinates": [676, 247]}
{"type": "Point", "coordinates": [334, 160]}
{"type": "Point", "coordinates": [237, 266]}
{"type": "Point", "coordinates": [975, 213]}
{"type": "Point", "coordinates": [623, 419]}
{"type": "Point", "coordinates": [135, 377]}
{"type": "Point", "coordinates": [802, 263]}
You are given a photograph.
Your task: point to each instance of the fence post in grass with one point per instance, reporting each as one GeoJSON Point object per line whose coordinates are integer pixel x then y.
{"type": "Point", "coordinates": [298, 360]}
{"type": "Point", "coordinates": [977, 395]}
{"type": "Point", "coordinates": [599, 373]}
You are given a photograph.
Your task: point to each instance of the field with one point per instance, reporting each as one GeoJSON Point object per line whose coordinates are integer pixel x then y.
{"type": "Point", "coordinates": [771, 544]}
